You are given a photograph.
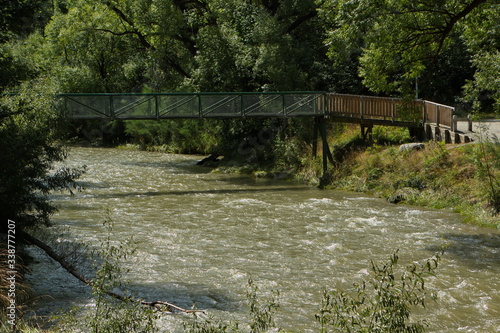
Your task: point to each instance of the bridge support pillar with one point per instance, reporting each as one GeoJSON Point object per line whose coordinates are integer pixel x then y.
{"type": "Point", "coordinates": [417, 133]}
{"type": "Point", "coordinates": [367, 131]}
{"type": "Point", "coordinates": [320, 127]}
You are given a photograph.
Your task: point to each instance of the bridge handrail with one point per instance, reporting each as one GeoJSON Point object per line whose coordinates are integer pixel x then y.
{"type": "Point", "coordinates": [201, 105]}
{"type": "Point", "coordinates": [345, 107]}
{"type": "Point", "coordinates": [439, 114]}
{"type": "Point", "coordinates": [373, 107]}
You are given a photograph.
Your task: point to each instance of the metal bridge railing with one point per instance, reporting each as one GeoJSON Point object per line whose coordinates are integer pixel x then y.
{"type": "Point", "coordinates": [349, 108]}
{"type": "Point", "coordinates": [192, 105]}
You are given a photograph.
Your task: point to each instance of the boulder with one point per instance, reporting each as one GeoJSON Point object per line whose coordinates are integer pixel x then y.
{"type": "Point", "coordinates": [410, 147]}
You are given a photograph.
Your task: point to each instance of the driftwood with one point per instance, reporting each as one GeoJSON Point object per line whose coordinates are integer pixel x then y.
{"type": "Point", "coordinates": [210, 160]}
{"type": "Point", "coordinates": [160, 305]}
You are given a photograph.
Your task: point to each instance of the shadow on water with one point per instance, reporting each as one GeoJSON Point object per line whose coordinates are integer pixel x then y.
{"type": "Point", "coordinates": [187, 295]}
{"type": "Point", "coordinates": [175, 166]}
{"type": "Point", "coordinates": [479, 251]}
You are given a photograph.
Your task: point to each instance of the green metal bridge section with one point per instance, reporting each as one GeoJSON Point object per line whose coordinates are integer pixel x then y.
{"type": "Point", "coordinates": [192, 105]}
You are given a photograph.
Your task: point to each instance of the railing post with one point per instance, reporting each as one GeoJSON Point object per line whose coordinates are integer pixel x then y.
{"type": "Point", "coordinates": [361, 107]}
{"type": "Point", "coordinates": [424, 112]}
{"type": "Point", "coordinates": [325, 104]}
{"type": "Point", "coordinates": [316, 129]}
{"type": "Point", "coordinates": [283, 104]}
{"type": "Point", "coordinates": [454, 123]}
{"type": "Point", "coordinates": [111, 107]}
{"type": "Point", "coordinates": [437, 115]}
{"type": "Point", "coordinates": [65, 110]}
{"type": "Point", "coordinates": [200, 108]}
{"type": "Point", "coordinates": [469, 123]}
{"type": "Point", "coordinates": [241, 106]}
{"type": "Point", "coordinates": [393, 110]}
{"type": "Point", "coordinates": [157, 107]}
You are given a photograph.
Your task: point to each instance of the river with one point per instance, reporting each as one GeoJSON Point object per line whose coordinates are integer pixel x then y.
{"type": "Point", "coordinates": [200, 236]}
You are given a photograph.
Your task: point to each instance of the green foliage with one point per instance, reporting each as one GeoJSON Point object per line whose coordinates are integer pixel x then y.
{"type": "Point", "coordinates": [84, 55]}
{"type": "Point", "coordinates": [437, 158]}
{"type": "Point", "coordinates": [260, 317]}
{"type": "Point", "coordinates": [176, 136]}
{"type": "Point", "coordinates": [13, 68]}
{"type": "Point", "coordinates": [383, 303]}
{"type": "Point", "coordinates": [156, 45]}
{"type": "Point", "coordinates": [19, 18]}
{"type": "Point", "coordinates": [390, 135]}
{"type": "Point", "coordinates": [397, 43]}
{"type": "Point", "coordinates": [110, 315]}
{"type": "Point", "coordinates": [486, 158]}
{"type": "Point", "coordinates": [481, 34]}
{"type": "Point", "coordinates": [485, 84]}
{"type": "Point", "coordinates": [463, 179]}
{"type": "Point", "coordinates": [261, 314]}
{"type": "Point", "coordinates": [29, 153]}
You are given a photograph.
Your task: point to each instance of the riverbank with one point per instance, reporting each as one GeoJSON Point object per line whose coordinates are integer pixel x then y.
{"type": "Point", "coordinates": [461, 178]}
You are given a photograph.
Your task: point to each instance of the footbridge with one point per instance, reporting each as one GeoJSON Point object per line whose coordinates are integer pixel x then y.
{"type": "Point", "coordinates": [426, 119]}
{"type": "Point", "coordinates": [347, 108]}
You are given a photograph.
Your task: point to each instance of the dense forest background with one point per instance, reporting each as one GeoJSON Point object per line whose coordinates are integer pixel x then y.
{"type": "Point", "coordinates": [448, 47]}
{"type": "Point", "coordinates": [446, 51]}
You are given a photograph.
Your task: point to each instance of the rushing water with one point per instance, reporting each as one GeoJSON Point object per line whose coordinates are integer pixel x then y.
{"type": "Point", "coordinates": [201, 236]}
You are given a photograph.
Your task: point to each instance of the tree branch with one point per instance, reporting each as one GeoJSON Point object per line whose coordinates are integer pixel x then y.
{"type": "Point", "coordinates": [301, 19]}
{"type": "Point", "coordinates": [142, 38]}
{"type": "Point", "coordinates": [135, 31]}
{"type": "Point", "coordinates": [449, 26]}
{"type": "Point", "coordinates": [73, 271]}
{"type": "Point", "coordinates": [123, 33]}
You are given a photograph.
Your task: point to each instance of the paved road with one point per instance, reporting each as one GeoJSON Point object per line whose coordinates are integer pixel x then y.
{"type": "Point", "coordinates": [485, 128]}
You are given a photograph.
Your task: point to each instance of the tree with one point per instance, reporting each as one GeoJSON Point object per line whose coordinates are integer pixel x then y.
{"type": "Point", "coordinates": [20, 18]}
{"type": "Point", "coordinates": [29, 152]}
{"type": "Point", "coordinates": [403, 40]}
{"type": "Point", "coordinates": [216, 45]}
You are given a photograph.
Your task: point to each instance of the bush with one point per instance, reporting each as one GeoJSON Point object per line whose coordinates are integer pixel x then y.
{"type": "Point", "coordinates": [110, 315]}
{"type": "Point", "coordinates": [381, 304]}
{"type": "Point", "coordinates": [260, 317]}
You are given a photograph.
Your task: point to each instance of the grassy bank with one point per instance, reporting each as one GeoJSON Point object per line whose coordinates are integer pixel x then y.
{"type": "Point", "coordinates": [461, 178]}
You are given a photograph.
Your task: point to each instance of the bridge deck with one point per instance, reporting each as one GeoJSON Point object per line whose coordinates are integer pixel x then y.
{"type": "Point", "coordinates": [341, 107]}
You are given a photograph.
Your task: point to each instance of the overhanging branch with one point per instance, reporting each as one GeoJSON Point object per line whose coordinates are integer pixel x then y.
{"type": "Point", "coordinates": [73, 271]}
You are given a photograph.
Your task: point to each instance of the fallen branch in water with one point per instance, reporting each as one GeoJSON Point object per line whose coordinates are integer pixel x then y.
{"type": "Point", "coordinates": [169, 307]}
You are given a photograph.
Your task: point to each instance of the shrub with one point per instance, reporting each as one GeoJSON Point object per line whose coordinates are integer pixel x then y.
{"type": "Point", "coordinates": [381, 304]}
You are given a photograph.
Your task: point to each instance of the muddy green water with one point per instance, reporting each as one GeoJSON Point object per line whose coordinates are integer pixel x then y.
{"type": "Point", "coordinates": [201, 236]}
